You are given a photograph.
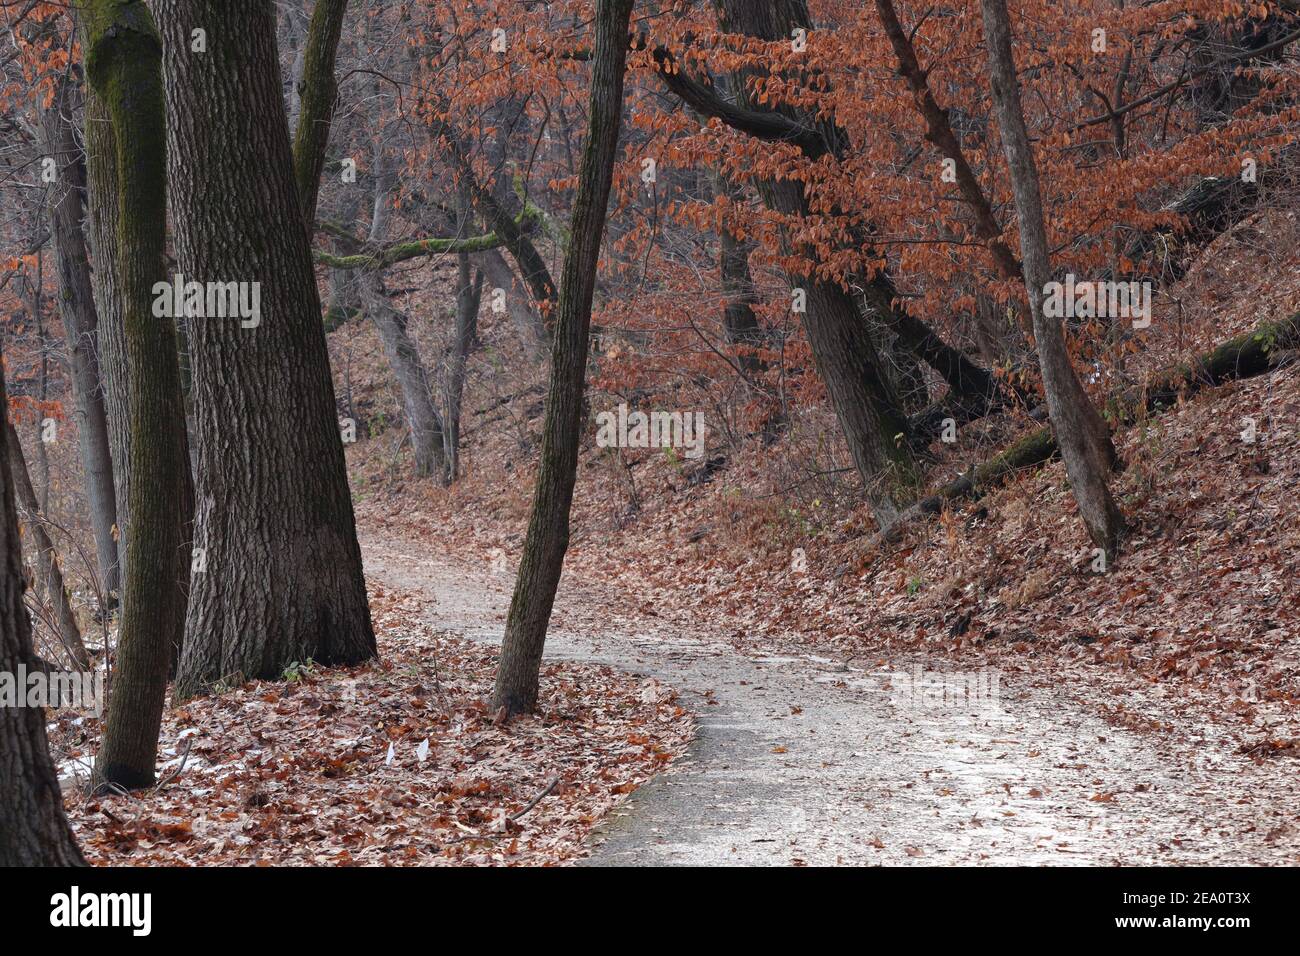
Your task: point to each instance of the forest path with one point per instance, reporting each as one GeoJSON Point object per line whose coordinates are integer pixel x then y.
{"type": "Point", "coordinates": [808, 760]}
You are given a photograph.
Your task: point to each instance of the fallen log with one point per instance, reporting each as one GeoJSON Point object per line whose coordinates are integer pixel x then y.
{"type": "Point", "coordinates": [1253, 353]}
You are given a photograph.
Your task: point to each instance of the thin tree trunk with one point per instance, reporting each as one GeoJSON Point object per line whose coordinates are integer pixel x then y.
{"type": "Point", "coordinates": [33, 828]}
{"type": "Point", "coordinates": [114, 363]}
{"type": "Point", "coordinates": [343, 293]}
{"type": "Point", "coordinates": [81, 326]}
{"type": "Point", "coordinates": [123, 64]}
{"type": "Point", "coordinates": [47, 559]}
{"type": "Point", "coordinates": [426, 426]}
{"type": "Point", "coordinates": [44, 345]}
{"type": "Point", "coordinates": [281, 579]}
{"type": "Point", "coordinates": [469, 292]}
{"type": "Point", "coordinates": [739, 321]}
{"type": "Point", "coordinates": [1080, 430]}
{"type": "Point", "coordinates": [318, 94]}
{"type": "Point", "coordinates": [548, 528]}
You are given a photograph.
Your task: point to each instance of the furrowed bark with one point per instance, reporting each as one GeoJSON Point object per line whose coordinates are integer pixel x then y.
{"type": "Point", "coordinates": [281, 579]}
{"type": "Point", "coordinates": [548, 527]}
{"type": "Point", "coordinates": [102, 206]}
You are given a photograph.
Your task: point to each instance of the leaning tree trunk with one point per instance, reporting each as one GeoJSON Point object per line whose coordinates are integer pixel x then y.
{"type": "Point", "coordinates": [548, 528]}
{"type": "Point", "coordinates": [123, 61]}
{"type": "Point", "coordinates": [33, 829]}
{"type": "Point", "coordinates": [413, 380]}
{"type": "Point", "coordinates": [47, 559]}
{"type": "Point", "coordinates": [527, 320]}
{"type": "Point", "coordinates": [1080, 430]}
{"type": "Point", "coordinates": [318, 94]}
{"type": "Point", "coordinates": [278, 567]}
{"type": "Point", "coordinates": [81, 325]}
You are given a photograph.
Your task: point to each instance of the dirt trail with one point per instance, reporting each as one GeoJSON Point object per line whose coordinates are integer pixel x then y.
{"type": "Point", "coordinates": [804, 759]}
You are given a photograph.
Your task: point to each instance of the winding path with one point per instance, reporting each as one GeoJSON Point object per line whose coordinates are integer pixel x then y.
{"type": "Point", "coordinates": [806, 760]}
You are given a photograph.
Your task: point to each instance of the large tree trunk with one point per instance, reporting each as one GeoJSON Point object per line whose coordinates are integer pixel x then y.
{"type": "Point", "coordinates": [281, 579]}
{"type": "Point", "coordinates": [123, 64]}
{"type": "Point", "coordinates": [47, 559]}
{"type": "Point", "coordinates": [81, 324]}
{"type": "Point", "coordinates": [1080, 430]}
{"type": "Point", "coordinates": [33, 829]}
{"type": "Point", "coordinates": [548, 528]}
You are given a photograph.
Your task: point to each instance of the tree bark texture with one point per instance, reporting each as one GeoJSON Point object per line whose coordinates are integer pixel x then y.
{"type": "Point", "coordinates": [123, 58]}
{"type": "Point", "coordinates": [275, 533]}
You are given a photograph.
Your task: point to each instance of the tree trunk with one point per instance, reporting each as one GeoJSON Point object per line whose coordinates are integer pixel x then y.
{"type": "Point", "coordinates": [422, 419]}
{"type": "Point", "coordinates": [847, 358]}
{"type": "Point", "coordinates": [318, 94]}
{"type": "Point", "coordinates": [739, 322]}
{"type": "Point", "coordinates": [527, 320]}
{"type": "Point", "coordinates": [1080, 430]}
{"type": "Point", "coordinates": [469, 292]}
{"type": "Point", "coordinates": [33, 829]}
{"type": "Point", "coordinates": [47, 559]}
{"type": "Point", "coordinates": [281, 577]}
{"type": "Point", "coordinates": [123, 64]}
{"type": "Point", "coordinates": [102, 206]}
{"type": "Point", "coordinates": [81, 325]}
{"type": "Point", "coordinates": [548, 528]}
{"type": "Point", "coordinates": [342, 288]}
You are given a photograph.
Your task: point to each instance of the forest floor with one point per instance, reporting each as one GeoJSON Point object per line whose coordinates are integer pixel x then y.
{"type": "Point", "coordinates": [394, 763]}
